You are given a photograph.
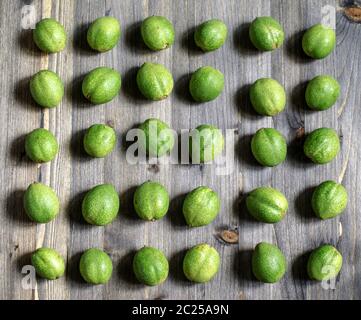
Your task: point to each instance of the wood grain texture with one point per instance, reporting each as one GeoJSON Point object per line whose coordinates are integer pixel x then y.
{"type": "Point", "coordinates": [72, 173]}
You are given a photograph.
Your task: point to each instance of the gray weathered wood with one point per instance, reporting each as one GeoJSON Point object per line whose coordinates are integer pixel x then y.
{"type": "Point", "coordinates": [72, 173]}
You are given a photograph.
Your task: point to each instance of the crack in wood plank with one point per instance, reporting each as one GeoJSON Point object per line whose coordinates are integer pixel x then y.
{"type": "Point", "coordinates": [343, 105]}
{"type": "Point", "coordinates": [346, 162]}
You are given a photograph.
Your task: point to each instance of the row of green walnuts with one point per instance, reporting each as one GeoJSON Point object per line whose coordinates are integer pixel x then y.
{"type": "Point", "coordinates": [158, 33]}
{"type": "Point", "coordinates": [101, 204]}
{"type": "Point", "coordinates": [150, 265]}
{"type": "Point", "coordinates": [200, 264]}
{"type": "Point", "coordinates": [155, 82]}
{"type": "Point", "coordinates": [206, 143]}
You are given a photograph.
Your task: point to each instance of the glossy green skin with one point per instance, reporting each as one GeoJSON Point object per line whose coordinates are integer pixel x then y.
{"type": "Point", "coordinates": [319, 41]}
{"type": "Point", "coordinates": [101, 85]}
{"type": "Point", "coordinates": [266, 34]}
{"type": "Point", "coordinates": [103, 34]}
{"type": "Point", "coordinates": [322, 145]}
{"type": "Point", "coordinates": [211, 35]}
{"type": "Point", "coordinates": [41, 203]}
{"type": "Point", "coordinates": [267, 205]}
{"type": "Point", "coordinates": [324, 263]}
{"type": "Point", "coordinates": [46, 88]}
{"type": "Point", "coordinates": [206, 84]}
{"type": "Point", "coordinates": [268, 97]}
{"type": "Point", "coordinates": [159, 138]}
{"type": "Point", "coordinates": [201, 263]}
{"type": "Point", "coordinates": [268, 263]}
{"type": "Point", "coordinates": [99, 140]}
{"type": "Point", "coordinates": [322, 92]}
{"type": "Point", "coordinates": [329, 200]}
{"type": "Point", "coordinates": [48, 263]}
{"type": "Point", "coordinates": [205, 143]}
{"type": "Point", "coordinates": [150, 266]}
{"type": "Point", "coordinates": [201, 207]}
{"type": "Point", "coordinates": [41, 145]}
{"type": "Point", "coordinates": [151, 201]}
{"type": "Point", "coordinates": [269, 147]}
{"type": "Point", "coordinates": [49, 35]}
{"type": "Point", "coordinates": [95, 266]}
{"type": "Point", "coordinates": [157, 33]}
{"type": "Point", "coordinates": [101, 205]}
{"type": "Point", "coordinates": [155, 82]}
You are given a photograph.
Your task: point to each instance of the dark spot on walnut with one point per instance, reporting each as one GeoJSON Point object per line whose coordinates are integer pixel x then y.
{"type": "Point", "coordinates": [154, 168]}
{"type": "Point", "coordinates": [300, 133]}
{"type": "Point", "coordinates": [228, 237]}
{"type": "Point", "coordinates": [353, 14]}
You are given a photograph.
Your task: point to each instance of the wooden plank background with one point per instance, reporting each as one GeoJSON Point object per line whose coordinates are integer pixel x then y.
{"type": "Point", "coordinates": [72, 173]}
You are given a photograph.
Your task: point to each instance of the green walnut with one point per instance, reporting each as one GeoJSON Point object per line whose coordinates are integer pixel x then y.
{"type": "Point", "coordinates": [211, 35]}
{"type": "Point", "coordinates": [101, 85]}
{"type": "Point", "coordinates": [268, 263]}
{"type": "Point", "coordinates": [49, 35]}
{"type": "Point", "coordinates": [319, 41]}
{"type": "Point", "coordinates": [154, 81]}
{"type": "Point", "coordinates": [267, 204]}
{"type": "Point", "coordinates": [201, 207]}
{"type": "Point", "coordinates": [150, 266]}
{"type": "Point", "coordinates": [268, 97]}
{"type": "Point", "coordinates": [201, 263]}
{"type": "Point", "coordinates": [95, 266]}
{"type": "Point", "coordinates": [99, 140]}
{"type": "Point", "coordinates": [322, 145]}
{"type": "Point", "coordinates": [329, 200]}
{"type": "Point", "coordinates": [151, 201]}
{"type": "Point", "coordinates": [48, 263]}
{"type": "Point", "coordinates": [324, 263]}
{"type": "Point", "coordinates": [269, 147]}
{"type": "Point", "coordinates": [322, 92]}
{"type": "Point", "coordinates": [41, 145]}
{"type": "Point", "coordinates": [206, 84]}
{"type": "Point", "coordinates": [266, 33]}
{"type": "Point", "coordinates": [101, 205]}
{"type": "Point", "coordinates": [157, 33]}
{"type": "Point", "coordinates": [41, 203]}
{"type": "Point", "coordinates": [46, 88]}
{"type": "Point", "coordinates": [103, 34]}
{"type": "Point", "coordinates": [206, 142]}
{"type": "Point", "coordinates": [158, 138]}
